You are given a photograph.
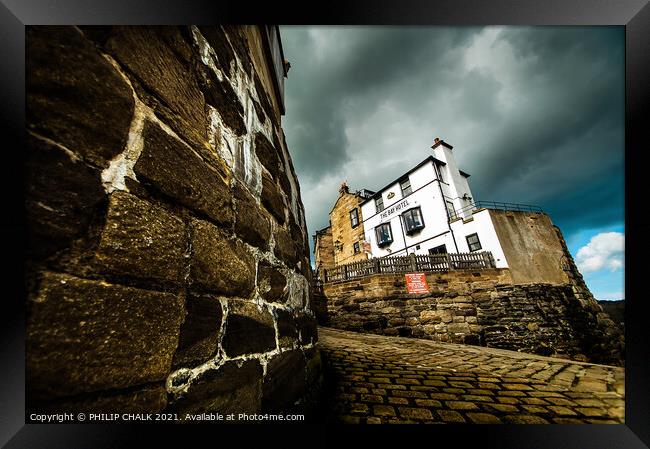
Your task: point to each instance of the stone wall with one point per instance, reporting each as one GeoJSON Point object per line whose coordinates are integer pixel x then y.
{"type": "Point", "coordinates": [323, 251]}
{"type": "Point", "coordinates": [343, 231]}
{"type": "Point", "coordinates": [168, 260]}
{"type": "Point", "coordinates": [531, 245]}
{"type": "Point", "coordinates": [380, 304]}
{"type": "Point", "coordinates": [480, 308]}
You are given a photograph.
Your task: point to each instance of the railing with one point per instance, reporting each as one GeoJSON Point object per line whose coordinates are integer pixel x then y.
{"type": "Point", "coordinates": [411, 263]}
{"type": "Point", "coordinates": [460, 213]}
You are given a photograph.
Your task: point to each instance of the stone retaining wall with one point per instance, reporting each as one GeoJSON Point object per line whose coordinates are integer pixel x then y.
{"type": "Point", "coordinates": [168, 264]}
{"type": "Point", "coordinates": [479, 308]}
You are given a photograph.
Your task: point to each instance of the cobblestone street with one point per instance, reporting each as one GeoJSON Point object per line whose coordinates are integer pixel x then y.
{"type": "Point", "coordinates": [378, 379]}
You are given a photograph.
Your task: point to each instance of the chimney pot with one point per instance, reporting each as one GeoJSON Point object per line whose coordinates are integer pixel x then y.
{"type": "Point", "coordinates": [436, 140]}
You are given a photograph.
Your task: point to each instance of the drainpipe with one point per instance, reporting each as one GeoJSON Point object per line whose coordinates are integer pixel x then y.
{"type": "Point", "coordinates": [442, 198]}
{"type": "Point", "coordinates": [401, 226]}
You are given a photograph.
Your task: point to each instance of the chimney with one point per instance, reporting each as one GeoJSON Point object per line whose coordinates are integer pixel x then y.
{"type": "Point", "coordinates": [344, 187]}
{"type": "Point", "coordinates": [437, 141]}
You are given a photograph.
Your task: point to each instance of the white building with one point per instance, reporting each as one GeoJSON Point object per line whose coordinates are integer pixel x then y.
{"type": "Point", "coordinates": [429, 210]}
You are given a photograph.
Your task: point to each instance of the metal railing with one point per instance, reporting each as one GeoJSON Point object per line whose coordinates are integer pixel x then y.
{"type": "Point", "coordinates": [496, 205]}
{"type": "Point", "coordinates": [411, 263]}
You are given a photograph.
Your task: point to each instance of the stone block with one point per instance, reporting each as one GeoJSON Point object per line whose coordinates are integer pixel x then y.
{"type": "Point", "coordinates": [141, 240]}
{"type": "Point", "coordinates": [200, 330]}
{"type": "Point", "coordinates": [272, 198]}
{"type": "Point", "coordinates": [249, 329]}
{"type": "Point", "coordinates": [285, 247]}
{"type": "Point", "coordinates": [85, 336]}
{"type": "Point", "coordinates": [284, 382]}
{"type": "Point", "coordinates": [219, 93]}
{"type": "Point", "coordinates": [219, 263]}
{"type": "Point", "coordinates": [251, 224]}
{"type": "Point", "coordinates": [61, 195]}
{"type": "Point", "coordinates": [459, 328]}
{"type": "Point", "coordinates": [271, 283]}
{"type": "Point", "coordinates": [265, 101]}
{"type": "Point", "coordinates": [159, 58]}
{"type": "Point", "coordinates": [174, 169]}
{"type": "Point", "coordinates": [267, 154]}
{"type": "Point", "coordinates": [287, 330]}
{"type": "Point", "coordinates": [404, 331]}
{"type": "Point", "coordinates": [74, 95]}
{"type": "Point", "coordinates": [235, 387]}
{"type": "Point", "coordinates": [239, 40]}
{"type": "Point", "coordinates": [307, 328]}
{"type": "Point", "coordinates": [216, 37]}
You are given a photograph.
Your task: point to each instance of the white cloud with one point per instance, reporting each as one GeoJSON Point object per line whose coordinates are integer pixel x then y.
{"type": "Point", "coordinates": [604, 251]}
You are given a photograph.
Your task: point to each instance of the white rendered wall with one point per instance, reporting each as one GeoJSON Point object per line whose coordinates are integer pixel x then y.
{"type": "Point", "coordinates": [458, 185]}
{"type": "Point", "coordinates": [426, 195]}
{"type": "Point", "coordinates": [483, 227]}
{"type": "Point", "coordinates": [437, 229]}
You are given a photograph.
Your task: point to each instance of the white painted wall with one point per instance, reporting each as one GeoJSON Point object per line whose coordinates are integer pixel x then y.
{"type": "Point", "coordinates": [458, 186]}
{"type": "Point", "coordinates": [481, 224]}
{"type": "Point", "coordinates": [437, 230]}
{"type": "Point", "coordinates": [426, 195]}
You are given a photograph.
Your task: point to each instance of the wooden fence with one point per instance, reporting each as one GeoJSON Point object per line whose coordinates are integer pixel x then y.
{"type": "Point", "coordinates": [411, 263]}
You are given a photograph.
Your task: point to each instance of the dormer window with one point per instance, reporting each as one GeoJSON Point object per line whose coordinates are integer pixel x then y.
{"type": "Point", "coordinates": [379, 204]}
{"type": "Point", "coordinates": [405, 185]}
{"type": "Point", "coordinates": [384, 234]}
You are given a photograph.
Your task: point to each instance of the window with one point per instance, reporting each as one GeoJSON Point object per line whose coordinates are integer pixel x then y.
{"type": "Point", "coordinates": [356, 248]}
{"type": "Point", "coordinates": [451, 212]}
{"type": "Point", "coordinates": [405, 185]}
{"type": "Point", "coordinates": [384, 234]}
{"type": "Point", "coordinates": [354, 217]}
{"type": "Point", "coordinates": [379, 203]}
{"type": "Point", "coordinates": [442, 249]}
{"type": "Point", "coordinates": [413, 220]}
{"type": "Point", "coordinates": [473, 242]}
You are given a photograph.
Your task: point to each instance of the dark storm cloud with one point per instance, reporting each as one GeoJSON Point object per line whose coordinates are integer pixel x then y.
{"type": "Point", "coordinates": [534, 114]}
{"type": "Point", "coordinates": [334, 67]}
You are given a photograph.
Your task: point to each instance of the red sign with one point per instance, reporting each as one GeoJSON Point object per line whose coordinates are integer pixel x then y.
{"type": "Point", "coordinates": [416, 283]}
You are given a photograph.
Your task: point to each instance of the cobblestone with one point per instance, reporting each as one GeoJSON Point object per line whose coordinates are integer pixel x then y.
{"type": "Point", "coordinates": [380, 380]}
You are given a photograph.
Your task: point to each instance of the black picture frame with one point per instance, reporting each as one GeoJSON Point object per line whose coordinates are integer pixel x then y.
{"type": "Point", "coordinates": [15, 14]}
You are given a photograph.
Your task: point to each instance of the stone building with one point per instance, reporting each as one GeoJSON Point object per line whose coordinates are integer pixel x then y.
{"type": "Point", "coordinates": [323, 251]}
{"type": "Point", "coordinates": [343, 240]}
{"type": "Point", "coordinates": [168, 261]}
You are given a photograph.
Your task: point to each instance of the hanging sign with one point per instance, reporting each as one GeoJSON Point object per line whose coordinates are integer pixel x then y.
{"type": "Point", "coordinates": [416, 283]}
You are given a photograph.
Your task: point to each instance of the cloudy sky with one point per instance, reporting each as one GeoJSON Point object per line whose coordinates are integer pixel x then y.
{"type": "Point", "coordinates": [535, 115]}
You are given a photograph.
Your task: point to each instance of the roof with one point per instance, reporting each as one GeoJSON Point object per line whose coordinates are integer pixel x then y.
{"type": "Point", "coordinates": [357, 194]}
{"type": "Point", "coordinates": [467, 175]}
{"type": "Point", "coordinates": [429, 159]}
{"type": "Point", "coordinates": [323, 231]}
